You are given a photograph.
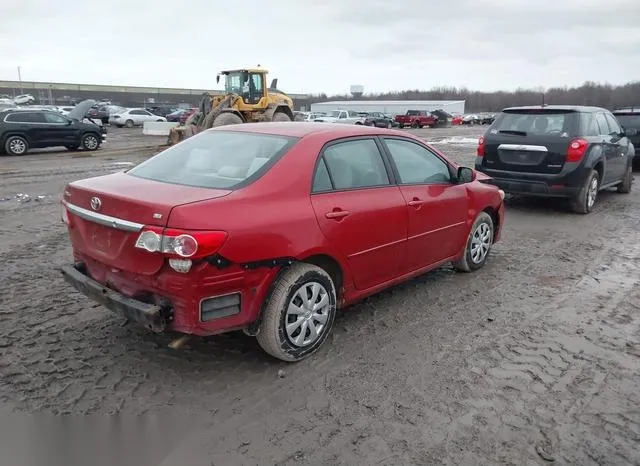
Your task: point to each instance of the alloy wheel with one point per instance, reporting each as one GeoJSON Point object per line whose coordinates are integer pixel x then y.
{"type": "Point", "coordinates": [480, 243]}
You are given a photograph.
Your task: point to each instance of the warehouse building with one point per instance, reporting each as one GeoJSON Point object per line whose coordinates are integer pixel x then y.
{"type": "Point", "coordinates": [393, 107]}
{"type": "Point", "coordinates": [128, 96]}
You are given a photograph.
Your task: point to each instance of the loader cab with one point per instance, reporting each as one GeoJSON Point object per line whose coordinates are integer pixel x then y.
{"type": "Point", "coordinates": [249, 84]}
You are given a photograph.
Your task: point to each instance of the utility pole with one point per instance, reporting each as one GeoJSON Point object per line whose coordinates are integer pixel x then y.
{"type": "Point", "coordinates": [20, 79]}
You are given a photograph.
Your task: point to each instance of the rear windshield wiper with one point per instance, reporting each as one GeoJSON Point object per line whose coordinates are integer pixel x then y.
{"type": "Point", "coordinates": [512, 131]}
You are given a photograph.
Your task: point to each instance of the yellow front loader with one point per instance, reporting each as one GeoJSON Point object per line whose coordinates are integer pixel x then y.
{"type": "Point", "coordinates": [246, 100]}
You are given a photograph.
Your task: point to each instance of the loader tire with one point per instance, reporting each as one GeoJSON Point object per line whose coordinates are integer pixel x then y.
{"type": "Point", "coordinates": [213, 114]}
{"type": "Point", "coordinates": [280, 116]}
{"type": "Point", "coordinates": [227, 118]}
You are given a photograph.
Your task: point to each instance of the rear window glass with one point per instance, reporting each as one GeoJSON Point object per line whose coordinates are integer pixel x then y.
{"type": "Point", "coordinates": [215, 159]}
{"type": "Point", "coordinates": [629, 120]}
{"type": "Point", "coordinates": [537, 122]}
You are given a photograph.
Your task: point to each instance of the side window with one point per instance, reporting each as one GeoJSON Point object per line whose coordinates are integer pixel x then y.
{"type": "Point", "coordinates": [343, 115]}
{"type": "Point", "coordinates": [416, 164]}
{"type": "Point", "coordinates": [136, 112]}
{"type": "Point", "coordinates": [257, 83]}
{"type": "Point", "coordinates": [55, 119]}
{"type": "Point", "coordinates": [590, 127]}
{"type": "Point", "coordinates": [613, 124]}
{"type": "Point", "coordinates": [356, 164]}
{"type": "Point", "coordinates": [321, 179]}
{"type": "Point", "coordinates": [26, 117]}
{"type": "Point", "coordinates": [602, 124]}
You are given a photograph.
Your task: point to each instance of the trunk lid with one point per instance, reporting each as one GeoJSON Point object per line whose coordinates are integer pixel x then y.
{"type": "Point", "coordinates": [107, 212]}
{"type": "Point", "coordinates": [530, 140]}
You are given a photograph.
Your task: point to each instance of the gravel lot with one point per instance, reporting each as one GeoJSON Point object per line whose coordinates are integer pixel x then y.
{"type": "Point", "coordinates": [533, 358]}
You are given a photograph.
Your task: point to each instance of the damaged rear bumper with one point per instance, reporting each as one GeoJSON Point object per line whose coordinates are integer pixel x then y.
{"type": "Point", "coordinates": [150, 316]}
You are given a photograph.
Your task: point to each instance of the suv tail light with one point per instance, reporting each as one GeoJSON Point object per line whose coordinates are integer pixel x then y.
{"type": "Point", "coordinates": [576, 150]}
{"type": "Point", "coordinates": [480, 150]}
{"type": "Point", "coordinates": [180, 243]}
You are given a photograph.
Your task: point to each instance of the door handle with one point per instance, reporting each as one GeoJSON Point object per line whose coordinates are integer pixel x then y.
{"type": "Point", "coordinates": [337, 214]}
{"type": "Point", "coordinates": [414, 202]}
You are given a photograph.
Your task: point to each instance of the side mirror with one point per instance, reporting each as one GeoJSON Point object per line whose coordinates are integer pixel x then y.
{"type": "Point", "coordinates": [69, 122]}
{"type": "Point", "coordinates": [466, 175]}
{"type": "Point", "coordinates": [217, 79]}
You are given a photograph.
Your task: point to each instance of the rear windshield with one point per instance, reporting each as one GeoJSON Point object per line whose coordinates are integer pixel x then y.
{"type": "Point", "coordinates": [537, 122]}
{"type": "Point", "coordinates": [215, 159]}
{"type": "Point", "coordinates": [629, 120]}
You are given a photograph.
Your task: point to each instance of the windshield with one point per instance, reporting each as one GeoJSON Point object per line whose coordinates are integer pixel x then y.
{"type": "Point", "coordinates": [233, 83]}
{"type": "Point", "coordinates": [629, 120]}
{"type": "Point", "coordinates": [215, 159]}
{"type": "Point", "coordinates": [539, 122]}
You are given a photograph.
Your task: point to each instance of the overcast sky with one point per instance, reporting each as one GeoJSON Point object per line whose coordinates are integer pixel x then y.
{"type": "Point", "coordinates": [323, 46]}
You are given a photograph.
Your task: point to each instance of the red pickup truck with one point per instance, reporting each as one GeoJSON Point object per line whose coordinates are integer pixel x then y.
{"type": "Point", "coordinates": [416, 119]}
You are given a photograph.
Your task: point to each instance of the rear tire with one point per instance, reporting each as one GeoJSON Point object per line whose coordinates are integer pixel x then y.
{"type": "Point", "coordinates": [280, 116]}
{"type": "Point", "coordinates": [16, 145]}
{"type": "Point", "coordinates": [304, 294]}
{"type": "Point", "coordinates": [227, 118]}
{"type": "Point", "coordinates": [584, 201]}
{"type": "Point", "coordinates": [129, 123]}
{"type": "Point", "coordinates": [478, 246]}
{"type": "Point", "coordinates": [625, 186]}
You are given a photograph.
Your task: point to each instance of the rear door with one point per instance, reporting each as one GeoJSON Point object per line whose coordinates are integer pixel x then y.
{"type": "Point", "coordinates": [621, 146]}
{"type": "Point", "coordinates": [530, 140]}
{"type": "Point", "coordinates": [437, 208]}
{"type": "Point", "coordinates": [360, 211]}
{"type": "Point", "coordinates": [612, 169]}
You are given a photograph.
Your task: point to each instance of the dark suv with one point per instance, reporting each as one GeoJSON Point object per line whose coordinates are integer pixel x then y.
{"type": "Point", "coordinates": [559, 151]}
{"type": "Point", "coordinates": [629, 119]}
{"type": "Point", "coordinates": [21, 130]}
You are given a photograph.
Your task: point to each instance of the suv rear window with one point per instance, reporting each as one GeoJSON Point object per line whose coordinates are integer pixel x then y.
{"type": "Point", "coordinates": [537, 122]}
{"type": "Point", "coordinates": [216, 159]}
{"type": "Point", "coordinates": [629, 119]}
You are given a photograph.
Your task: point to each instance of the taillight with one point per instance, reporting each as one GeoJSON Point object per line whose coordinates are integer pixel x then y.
{"type": "Point", "coordinates": [180, 243]}
{"type": "Point", "coordinates": [576, 150]}
{"type": "Point", "coordinates": [480, 150]}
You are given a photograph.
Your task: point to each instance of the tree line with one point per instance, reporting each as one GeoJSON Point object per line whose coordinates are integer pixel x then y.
{"type": "Point", "coordinates": [590, 93]}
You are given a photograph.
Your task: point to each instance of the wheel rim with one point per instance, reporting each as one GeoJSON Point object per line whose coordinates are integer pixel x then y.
{"type": "Point", "coordinates": [17, 146]}
{"type": "Point", "coordinates": [90, 142]}
{"type": "Point", "coordinates": [480, 243]}
{"type": "Point", "coordinates": [592, 193]}
{"type": "Point", "coordinates": [307, 314]}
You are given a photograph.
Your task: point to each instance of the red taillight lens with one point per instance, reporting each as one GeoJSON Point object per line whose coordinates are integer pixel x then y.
{"type": "Point", "coordinates": [180, 243]}
{"type": "Point", "coordinates": [480, 150]}
{"type": "Point", "coordinates": [576, 150]}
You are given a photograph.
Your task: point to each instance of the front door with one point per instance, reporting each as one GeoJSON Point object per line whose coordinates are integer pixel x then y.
{"type": "Point", "coordinates": [59, 130]}
{"type": "Point", "coordinates": [436, 205]}
{"type": "Point", "coordinates": [609, 150]}
{"type": "Point", "coordinates": [359, 211]}
{"type": "Point", "coordinates": [620, 147]}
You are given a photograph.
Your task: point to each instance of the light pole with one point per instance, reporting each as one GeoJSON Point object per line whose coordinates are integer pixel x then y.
{"type": "Point", "coordinates": [20, 79]}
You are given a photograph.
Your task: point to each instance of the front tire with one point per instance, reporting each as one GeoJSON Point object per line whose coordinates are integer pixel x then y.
{"type": "Point", "coordinates": [227, 118]}
{"type": "Point", "coordinates": [585, 200]}
{"type": "Point", "coordinates": [16, 145]}
{"type": "Point", "coordinates": [298, 314]}
{"type": "Point", "coordinates": [625, 186]}
{"type": "Point", "coordinates": [129, 123]}
{"type": "Point", "coordinates": [478, 244]}
{"type": "Point", "coordinates": [90, 142]}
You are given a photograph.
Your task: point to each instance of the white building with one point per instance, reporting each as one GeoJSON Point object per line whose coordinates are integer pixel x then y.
{"type": "Point", "coordinates": [393, 107]}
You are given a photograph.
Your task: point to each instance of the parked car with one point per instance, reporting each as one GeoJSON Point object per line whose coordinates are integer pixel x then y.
{"type": "Point", "coordinates": [133, 117]}
{"type": "Point", "coordinates": [162, 110]}
{"type": "Point", "coordinates": [629, 119]}
{"type": "Point", "coordinates": [25, 129]}
{"type": "Point", "coordinates": [416, 119]}
{"type": "Point", "coordinates": [24, 99]}
{"type": "Point", "coordinates": [187, 114]}
{"type": "Point", "coordinates": [379, 120]}
{"type": "Point", "coordinates": [559, 151]}
{"type": "Point", "coordinates": [348, 117]}
{"type": "Point", "coordinates": [457, 120]}
{"type": "Point", "coordinates": [214, 234]}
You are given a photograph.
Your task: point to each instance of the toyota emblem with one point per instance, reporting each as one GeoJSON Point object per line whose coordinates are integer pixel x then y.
{"type": "Point", "coordinates": [96, 203]}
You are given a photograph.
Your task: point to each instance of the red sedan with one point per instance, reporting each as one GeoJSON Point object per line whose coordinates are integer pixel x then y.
{"type": "Point", "coordinates": [270, 227]}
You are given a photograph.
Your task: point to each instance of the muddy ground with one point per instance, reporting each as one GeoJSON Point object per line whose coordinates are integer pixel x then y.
{"type": "Point", "coordinates": [534, 358]}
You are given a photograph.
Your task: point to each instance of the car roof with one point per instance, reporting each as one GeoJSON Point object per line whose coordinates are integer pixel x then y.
{"type": "Point", "coordinates": [571, 108]}
{"type": "Point", "coordinates": [301, 129]}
